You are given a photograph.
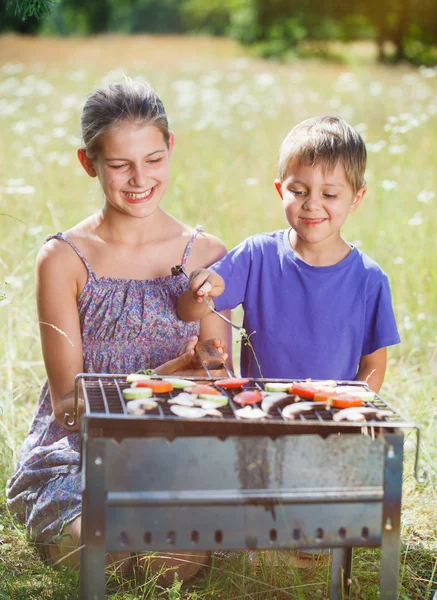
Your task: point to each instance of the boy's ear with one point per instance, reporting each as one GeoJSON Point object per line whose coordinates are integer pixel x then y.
{"type": "Point", "coordinates": [358, 199]}
{"type": "Point", "coordinates": [278, 186]}
{"type": "Point", "coordinates": [86, 163]}
{"type": "Point", "coordinates": [171, 143]}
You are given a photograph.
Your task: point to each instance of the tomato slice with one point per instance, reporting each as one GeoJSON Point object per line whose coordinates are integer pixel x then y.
{"type": "Point", "coordinates": [203, 389]}
{"type": "Point", "coordinates": [231, 383]}
{"type": "Point", "coordinates": [248, 397]}
{"type": "Point", "coordinates": [344, 401]}
{"type": "Point", "coordinates": [302, 390]}
{"type": "Point", "coordinates": [156, 385]}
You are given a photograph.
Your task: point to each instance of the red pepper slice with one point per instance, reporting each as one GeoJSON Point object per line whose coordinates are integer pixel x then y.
{"type": "Point", "coordinates": [344, 401]}
{"type": "Point", "coordinates": [302, 390]}
{"type": "Point", "coordinates": [203, 389]}
{"type": "Point", "coordinates": [231, 383]}
{"type": "Point", "coordinates": [157, 385]}
{"type": "Point", "coordinates": [248, 397]}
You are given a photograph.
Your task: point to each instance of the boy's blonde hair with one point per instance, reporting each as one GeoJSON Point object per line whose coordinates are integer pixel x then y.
{"type": "Point", "coordinates": [325, 141]}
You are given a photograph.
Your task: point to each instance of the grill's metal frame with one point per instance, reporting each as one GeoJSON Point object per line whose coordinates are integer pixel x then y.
{"type": "Point", "coordinates": [257, 500]}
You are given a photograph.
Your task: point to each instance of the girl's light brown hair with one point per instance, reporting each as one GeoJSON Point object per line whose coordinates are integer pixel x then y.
{"type": "Point", "coordinates": [325, 141]}
{"type": "Point", "coordinates": [126, 101]}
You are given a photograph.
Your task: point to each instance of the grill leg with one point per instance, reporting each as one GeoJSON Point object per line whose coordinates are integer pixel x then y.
{"type": "Point", "coordinates": [391, 519]}
{"type": "Point", "coordinates": [92, 559]}
{"type": "Point", "coordinates": [340, 573]}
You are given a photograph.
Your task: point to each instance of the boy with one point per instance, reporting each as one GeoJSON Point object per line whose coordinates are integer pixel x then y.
{"type": "Point", "coordinates": [320, 307]}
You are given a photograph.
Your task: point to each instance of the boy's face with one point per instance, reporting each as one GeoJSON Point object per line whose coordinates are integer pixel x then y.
{"type": "Point", "coordinates": [317, 204]}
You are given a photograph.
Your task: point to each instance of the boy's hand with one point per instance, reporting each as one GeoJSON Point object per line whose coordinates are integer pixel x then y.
{"type": "Point", "coordinates": [205, 283]}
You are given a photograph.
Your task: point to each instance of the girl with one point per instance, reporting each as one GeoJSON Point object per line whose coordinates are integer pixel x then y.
{"type": "Point", "coordinates": [106, 303]}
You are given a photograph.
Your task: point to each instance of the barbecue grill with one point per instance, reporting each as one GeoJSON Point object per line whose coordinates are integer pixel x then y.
{"type": "Point", "coordinates": [159, 482]}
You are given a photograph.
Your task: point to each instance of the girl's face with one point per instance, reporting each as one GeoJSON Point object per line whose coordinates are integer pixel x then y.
{"type": "Point", "coordinates": [133, 167]}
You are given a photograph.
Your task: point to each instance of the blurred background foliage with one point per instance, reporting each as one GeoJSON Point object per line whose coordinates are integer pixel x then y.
{"type": "Point", "coordinates": [401, 29]}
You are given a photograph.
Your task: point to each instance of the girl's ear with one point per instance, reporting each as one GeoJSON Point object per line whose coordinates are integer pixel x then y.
{"type": "Point", "coordinates": [86, 163]}
{"type": "Point", "coordinates": [278, 186]}
{"type": "Point", "coordinates": [358, 199]}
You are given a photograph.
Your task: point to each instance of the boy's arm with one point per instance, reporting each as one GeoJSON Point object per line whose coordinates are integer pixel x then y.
{"type": "Point", "coordinates": [201, 283]}
{"type": "Point", "coordinates": [372, 369]}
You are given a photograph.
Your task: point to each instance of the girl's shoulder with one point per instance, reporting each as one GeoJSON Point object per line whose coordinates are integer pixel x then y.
{"type": "Point", "coordinates": [206, 248]}
{"type": "Point", "coordinates": [59, 250]}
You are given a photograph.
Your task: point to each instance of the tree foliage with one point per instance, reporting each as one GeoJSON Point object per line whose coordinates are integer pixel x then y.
{"type": "Point", "coordinates": [274, 26]}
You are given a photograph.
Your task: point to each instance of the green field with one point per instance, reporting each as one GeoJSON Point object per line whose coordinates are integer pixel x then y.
{"type": "Point", "coordinates": [229, 113]}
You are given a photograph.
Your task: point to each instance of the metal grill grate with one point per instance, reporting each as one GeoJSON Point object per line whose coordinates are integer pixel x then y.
{"type": "Point", "coordinates": [103, 398]}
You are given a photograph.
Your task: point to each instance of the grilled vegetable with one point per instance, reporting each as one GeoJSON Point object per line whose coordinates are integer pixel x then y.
{"type": "Point", "coordinates": [361, 413]}
{"type": "Point", "coordinates": [141, 406]}
{"type": "Point", "coordinates": [183, 400]}
{"type": "Point", "coordinates": [248, 397]}
{"type": "Point", "coordinates": [357, 391]}
{"type": "Point", "coordinates": [276, 400]}
{"type": "Point", "coordinates": [248, 412]}
{"type": "Point", "coordinates": [275, 386]}
{"type": "Point", "coordinates": [179, 384]}
{"type": "Point", "coordinates": [156, 385]}
{"type": "Point", "coordinates": [137, 377]}
{"type": "Point", "coordinates": [194, 412]}
{"type": "Point", "coordinates": [292, 411]}
{"type": "Point", "coordinates": [188, 412]}
{"type": "Point", "coordinates": [218, 400]}
{"type": "Point", "coordinates": [204, 389]}
{"type": "Point", "coordinates": [344, 401]}
{"type": "Point", "coordinates": [133, 393]}
{"type": "Point", "coordinates": [231, 383]}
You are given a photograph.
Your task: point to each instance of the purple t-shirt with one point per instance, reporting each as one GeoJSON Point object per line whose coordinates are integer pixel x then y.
{"type": "Point", "coordinates": [309, 321]}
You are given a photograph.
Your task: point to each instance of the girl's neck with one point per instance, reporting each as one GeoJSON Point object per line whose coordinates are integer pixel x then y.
{"type": "Point", "coordinates": [117, 228]}
{"type": "Point", "coordinates": [324, 254]}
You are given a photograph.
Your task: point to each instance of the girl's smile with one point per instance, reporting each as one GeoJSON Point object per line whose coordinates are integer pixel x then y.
{"type": "Point", "coordinates": [139, 197]}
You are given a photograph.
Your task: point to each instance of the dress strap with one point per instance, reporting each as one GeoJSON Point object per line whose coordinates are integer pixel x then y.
{"type": "Point", "coordinates": [61, 236]}
{"type": "Point", "coordinates": [198, 229]}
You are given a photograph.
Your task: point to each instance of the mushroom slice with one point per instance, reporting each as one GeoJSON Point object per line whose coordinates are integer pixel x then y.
{"type": "Point", "coordinates": [212, 412]}
{"type": "Point", "coordinates": [206, 404]}
{"type": "Point", "coordinates": [137, 377]}
{"type": "Point", "coordinates": [276, 400]}
{"type": "Point", "coordinates": [183, 399]}
{"type": "Point", "coordinates": [248, 412]}
{"type": "Point", "coordinates": [188, 412]}
{"type": "Point", "coordinates": [291, 411]}
{"type": "Point", "coordinates": [140, 407]}
{"type": "Point", "coordinates": [359, 414]}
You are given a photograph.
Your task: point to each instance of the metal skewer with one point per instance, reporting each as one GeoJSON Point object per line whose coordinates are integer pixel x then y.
{"type": "Point", "coordinates": [177, 270]}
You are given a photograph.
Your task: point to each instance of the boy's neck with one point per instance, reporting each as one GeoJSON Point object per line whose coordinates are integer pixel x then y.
{"type": "Point", "coordinates": [325, 254]}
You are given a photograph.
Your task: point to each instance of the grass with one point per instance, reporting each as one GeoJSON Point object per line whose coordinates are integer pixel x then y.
{"type": "Point", "coordinates": [229, 112]}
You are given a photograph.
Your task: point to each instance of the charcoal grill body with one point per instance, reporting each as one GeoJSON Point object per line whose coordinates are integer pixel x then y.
{"type": "Point", "coordinates": [165, 484]}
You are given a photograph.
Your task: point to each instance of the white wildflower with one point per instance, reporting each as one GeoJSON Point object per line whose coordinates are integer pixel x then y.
{"type": "Point", "coordinates": [416, 220]}
{"type": "Point", "coordinates": [251, 181]}
{"type": "Point", "coordinates": [425, 196]}
{"type": "Point", "coordinates": [388, 185]}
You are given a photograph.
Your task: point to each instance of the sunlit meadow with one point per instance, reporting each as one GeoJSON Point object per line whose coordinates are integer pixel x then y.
{"type": "Point", "coordinates": [229, 113]}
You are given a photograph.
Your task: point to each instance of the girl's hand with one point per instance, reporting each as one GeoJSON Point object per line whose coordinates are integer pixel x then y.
{"type": "Point", "coordinates": [187, 362]}
{"type": "Point", "coordinates": [203, 282]}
